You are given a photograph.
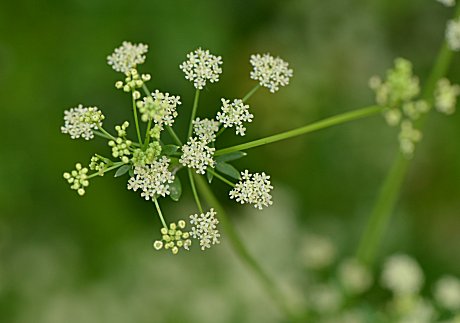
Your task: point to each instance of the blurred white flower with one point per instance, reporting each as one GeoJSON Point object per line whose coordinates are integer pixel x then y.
{"type": "Point", "coordinates": [447, 3]}
{"type": "Point", "coordinates": [408, 137]}
{"type": "Point", "coordinates": [317, 252]}
{"type": "Point", "coordinates": [446, 96]}
{"type": "Point", "coordinates": [453, 34]}
{"type": "Point", "coordinates": [402, 275]}
{"type": "Point", "coordinates": [354, 276]}
{"type": "Point", "coordinates": [447, 293]}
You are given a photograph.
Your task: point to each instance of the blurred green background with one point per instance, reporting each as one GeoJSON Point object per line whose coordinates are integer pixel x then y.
{"type": "Point", "coordinates": [69, 259]}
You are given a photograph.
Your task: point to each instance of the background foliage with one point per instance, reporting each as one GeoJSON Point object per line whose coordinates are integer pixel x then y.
{"type": "Point", "coordinates": [90, 259]}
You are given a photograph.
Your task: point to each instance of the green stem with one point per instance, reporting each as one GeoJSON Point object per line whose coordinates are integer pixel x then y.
{"type": "Point", "coordinates": [241, 250]}
{"type": "Point", "coordinates": [136, 121]}
{"type": "Point", "coordinates": [223, 179]}
{"type": "Point", "coordinates": [192, 117]}
{"type": "Point", "coordinates": [157, 206]}
{"type": "Point", "coordinates": [221, 130]}
{"type": "Point", "coordinates": [391, 187]}
{"type": "Point", "coordinates": [116, 165]}
{"type": "Point", "coordinates": [105, 133]}
{"type": "Point", "coordinates": [328, 122]}
{"type": "Point", "coordinates": [195, 193]}
{"type": "Point", "coordinates": [173, 135]}
{"type": "Point", "coordinates": [147, 134]}
{"type": "Point", "coordinates": [250, 93]}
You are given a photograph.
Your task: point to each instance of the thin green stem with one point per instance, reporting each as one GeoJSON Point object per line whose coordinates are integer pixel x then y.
{"type": "Point", "coordinates": [221, 130]}
{"type": "Point", "coordinates": [105, 132]}
{"type": "Point", "coordinates": [116, 165]}
{"type": "Point", "coordinates": [241, 250]}
{"type": "Point", "coordinates": [328, 122]}
{"type": "Point", "coordinates": [157, 206]}
{"type": "Point", "coordinates": [147, 134]}
{"type": "Point", "coordinates": [250, 93]}
{"type": "Point", "coordinates": [195, 193]}
{"type": "Point", "coordinates": [136, 121]}
{"type": "Point", "coordinates": [223, 179]}
{"type": "Point", "coordinates": [173, 135]}
{"type": "Point", "coordinates": [383, 209]}
{"type": "Point", "coordinates": [192, 117]}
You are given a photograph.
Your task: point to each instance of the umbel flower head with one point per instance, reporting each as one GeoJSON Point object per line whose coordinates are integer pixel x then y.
{"type": "Point", "coordinates": [81, 121]}
{"type": "Point", "coordinates": [253, 189]}
{"type": "Point", "coordinates": [234, 114]}
{"type": "Point", "coordinates": [153, 180]}
{"type": "Point", "coordinates": [126, 57]}
{"type": "Point", "coordinates": [201, 66]}
{"type": "Point", "coordinates": [159, 107]}
{"type": "Point", "coordinates": [446, 96]}
{"type": "Point", "coordinates": [453, 34]}
{"type": "Point", "coordinates": [78, 178]}
{"type": "Point", "coordinates": [271, 72]}
{"type": "Point", "coordinates": [447, 3]}
{"type": "Point", "coordinates": [197, 155]}
{"type": "Point", "coordinates": [174, 238]}
{"type": "Point", "coordinates": [205, 228]}
{"type": "Point", "coordinates": [205, 129]}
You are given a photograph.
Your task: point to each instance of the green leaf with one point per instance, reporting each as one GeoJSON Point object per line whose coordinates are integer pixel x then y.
{"type": "Point", "coordinates": [176, 189]}
{"type": "Point", "coordinates": [228, 169]}
{"type": "Point", "coordinates": [231, 156]}
{"type": "Point", "coordinates": [209, 176]}
{"type": "Point", "coordinates": [122, 170]}
{"type": "Point", "coordinates": [169, 150]}
{"type": "Point", "coordinates": [131, 172]}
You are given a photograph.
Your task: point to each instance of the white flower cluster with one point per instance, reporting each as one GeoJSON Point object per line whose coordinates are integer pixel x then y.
{"type": "Point", "coordinates": [205, 228]}
{"type": "Point", "coordinates": [201, 66]}
{"type": "Point", "coordinates": [234, 114]}
{"type": "Point", "coordinates": [253, 189]}
{"type": "Point", "coordinates": [446, 96]}
{"type": "Point", "coordinates": [447, 3]}
{"type": "Point", "coordinates": [174, 238]}
{"type": "Point", "coordinates": [354, 276]}
{"type": "Point", "coordinates": [196, 154]}
{"type": "Point", "coordinates": [153, 179]}
{"type": "Point", "coordinates": [408, 137]}
{"type": "Point", "coordinates": [453, 34]}
{"type": "Point", "coordinates": [159, 107]}
{"type": "Point", "coordinates": [271, 72]}
{"type": "Point", "coordinates": [78, 178]}
{"type": "Point", "coordinates": [81, 121]}
{"type": "Point", "coordinates": [127, 57]}
{"type": "Point", "coordinates": [402, 275]}
{"type": "Point", "coordinates": [205, 129]}
{"type": "Point", "coordinates": [447, 293]}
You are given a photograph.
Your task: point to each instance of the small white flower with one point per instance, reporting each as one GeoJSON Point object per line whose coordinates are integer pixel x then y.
{"type": "Point", "coordinates": [159, 107]}
{"type": "Point", "coordinates": [447, 293]}
{"type": "Point", "coordinates": [253, 189]}
{"type": "Point", "coordinates": [354, 277]}
{"type": "Point", "coordinates": [402, 275]}
{"type": "Point", "coordinates": [153, 179]}
{"type": "Point", "coordinates": [453, 34]}
{"type": "Point", "coordinates": [234, 114]}
{"type": "Point", "coordinates": [201, 66]}
{"type": "Point", "coordinates": [447, 3]}
{"type": "Point", "coordinates": [78, 179]}
{"type": "Point", "coordinates": [205, 228]}
{"type": "Point", "coordinates": [271, 72]}
{"type": "Point", "coordinates": [81, 121]}
{"type": "Point", "coordinates": [127, 57]}
{"type": "Point", "coordinates": [446, 96]}
{"type": "Point", "coordinates": [317, 252]}
{"type": "Point", "coordinates": [205, 129]}
{"type": "Point", "coordinates": [196, 154]}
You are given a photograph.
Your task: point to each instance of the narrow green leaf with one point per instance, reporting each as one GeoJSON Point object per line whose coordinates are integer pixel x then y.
{"type": "Point", "coordinates": [228, 169]}
{"type": "Point", "coordinates": [122, 170]}
{"type": "Point", "coordinates": [176, 189]}
{"type": "Point", "coordinates": [209, 176]}
{"type": "Point", "coordinates": [231, 156]}
{"type": "Point", "coordinates": [131, 172]}
{"type": "Point", "coordinates": [169, 150]}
